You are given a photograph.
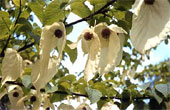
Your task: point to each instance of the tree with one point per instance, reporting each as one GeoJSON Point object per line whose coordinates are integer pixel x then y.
{"type": "Point", "coordinates": [31, 78]}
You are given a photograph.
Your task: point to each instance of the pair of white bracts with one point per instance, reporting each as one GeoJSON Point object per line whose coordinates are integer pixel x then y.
{"type": "Point", "coordinates": [103, 53]}
{"type": "Point", "coordinates": [46, 67]}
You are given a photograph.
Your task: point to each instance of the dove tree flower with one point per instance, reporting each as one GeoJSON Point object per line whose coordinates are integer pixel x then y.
{"type": "Point", "coordinates": [151, 23]}
{"type": "Point", "coordinates": [90, 44]}
{"type": "Point", "coordinates": [15, 93]}
{"type": "Point", "coordinates": [65, 107]}
{"type": "Point", "coordinates": [37, 99]}
{"type": "Point", "coordinates": [109, 106]}
{"type": "Point", "coordinates": [111, 46]}
{"type": "Point", "coordinates": [12, 66]}
{"type": "Point", "coordinates": [83, 106]}
{"type": "Point", "coordinates": [14, 96]}
{"type": "Point", "coordinates": [53, 36]}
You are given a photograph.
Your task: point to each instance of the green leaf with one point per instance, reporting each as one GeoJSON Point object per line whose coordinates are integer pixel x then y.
{"type": "Point", "coordinates": [37, 8]}
{"type": "Point", "coordinates": [56, 97]}
{"type": "Point", "coordinates": [93, 94]}
{"type": "Point", "coordinates": [156, 96]}
{"type": "Point", "coordinates": [5, 24]}
{"type": "Point", "coordinates": [17, 2]}
{"type": "Point", "coordinates": [71, 52]}
{"type": "Point", "coordinates": [53, 13]}
{"type": "Point", "coordinates": [144, 86]}
{"type": "Point", "coordinates": [126, 100]}
{"type": "Point", "coordinates": [26, 81]}
{"type": "Point", "coordinates": [163, 88]}
{"type": "Point", "coordinates": [50, 89]}
{"type": "Point", "coordinates": [80, 9]}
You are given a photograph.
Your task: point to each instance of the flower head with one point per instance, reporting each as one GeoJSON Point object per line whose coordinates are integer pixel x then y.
{"type": "Point", "coordinates": [53, 36]}
{"type": "Point", "coordinates": [111, 46]}
{"type": "Point", "coordinates": [151, 23]}
{"type": "Point", "coordinates": [90, 45]}
{"type": "Point", "coordinates": [12, 66]}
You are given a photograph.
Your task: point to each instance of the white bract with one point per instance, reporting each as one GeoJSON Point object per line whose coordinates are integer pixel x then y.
{"type": "Point", "coordinates": [150, 25]}
{"type": "Point", "coordinates": [38, 80]}
{"type": "Point", "coordinates": [65, 107]}
{"type": "Point", "coordinates": [14, 96]}
{"type": "Point", "coordinates": [90, 44]}
{"type": "Point", "coordinates": [38, 100]}
{"type": "Point", "coordinates": [83, 106]}
{"type": "Point", "coordinates": [12, 66]}
{"type": "Point", "coordinates": [109, 106]}
{"type": "Point", "coordinates": [111, 46]}
{"type": "Point", "coordinates": [53, 36]}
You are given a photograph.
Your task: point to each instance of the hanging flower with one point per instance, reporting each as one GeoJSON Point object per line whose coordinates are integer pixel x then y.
{"type": "Point", "coordinates": [110, 106]}
{"type": "Point", "coordinates": [40, 81]}
{"type": "Point", "coordinates": [15, 93]}
{"type": "Point", "coordinates": [53, 36]}
{"type": "Point", "coordinates": [83, 106]}
{"type": "Point", "coordinates": [90, 45]}
{"type": "Point", "coordinates": [111, 46]}
{"type": "Point", "coordinates": [37, 100]}
{"type": "Point", "coordinates": [12, 66]}
{"type": "Point", "coordinates": [14, 96]}
{"type": "Point", "coordinates": [151, 23]}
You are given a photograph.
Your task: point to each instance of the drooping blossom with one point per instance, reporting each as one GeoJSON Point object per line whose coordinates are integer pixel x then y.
{"type": "Point", "coordinates": [150, 24]}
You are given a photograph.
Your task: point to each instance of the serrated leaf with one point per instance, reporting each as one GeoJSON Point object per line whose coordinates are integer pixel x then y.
{"type": "Point", "coordinates": [163, 88]}
{"type": "Point", "coordinates": [144, 86]}
{"type": "Point", "coordinates": [93, 94]}
{"type": "Point", "coordinates": [5, 24]}
{"type": "Point", "coordinates": [53, 13]}
{"type": "Point", "coordinates": [37, 8]}
{"type": "Point", "coordinates": [80, 9]}
{"type": "Point", "coordinates": [71, 52]}
{"type": "Point", "coordinates": [157, 97]}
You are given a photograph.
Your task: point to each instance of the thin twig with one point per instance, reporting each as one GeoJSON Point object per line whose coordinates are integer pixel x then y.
{"type": "Point", "coordinates": [9, 37]}
{"type": "Point", "coordinates": [25, 47]}
{"type": "Point", "coordinates": [91, 15]}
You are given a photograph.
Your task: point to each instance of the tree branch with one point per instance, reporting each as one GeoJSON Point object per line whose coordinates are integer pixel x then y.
{"type": "Point", "coordinates": [25, 47]}
{"type": "Point", "coordinates": [9, 37]}
{"type": "Point", "coordinates": [91, 15]}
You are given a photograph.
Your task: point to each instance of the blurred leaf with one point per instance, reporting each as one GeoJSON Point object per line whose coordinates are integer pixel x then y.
{"type": "Point", "coordinates": [56, 97]}
{"type": "Point", "coordinates": [17, 2]}
{"type": "Point", "coordinates": [5, 24]}
{"type": "Point", "coordinates": [80, 9]}
{"type": "Point", "coordinates": [93, 94]}
{"type": "Point", "coordinates": [68, 78]}
{"type": "Point", "coordinates": [50, 89]}
{"type": "Point", "coordinates": [71, 52]}
{"type": "Point", "coordinates": [163, 88]}
{"type": "Point", "coordinates": [53, 13]}
{"type": "Point", "coordinates": [156, 96]}
{"type": "Point", "coordinates": [26, 81]}
{"type": "Point", "coordinates": [37, 8]}
{"type": "Point", "coordinates": [126, 100]}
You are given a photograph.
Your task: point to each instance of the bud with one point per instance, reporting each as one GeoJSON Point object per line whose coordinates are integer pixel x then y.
{"type": "Point", "coordinates": [149, 2]}
{"type": "Point", "coordinates": [58, 33]}
{"type": "Point", "coordinates": [88, 36]}
{"type": "Point", "coordinates": [105, 33]}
